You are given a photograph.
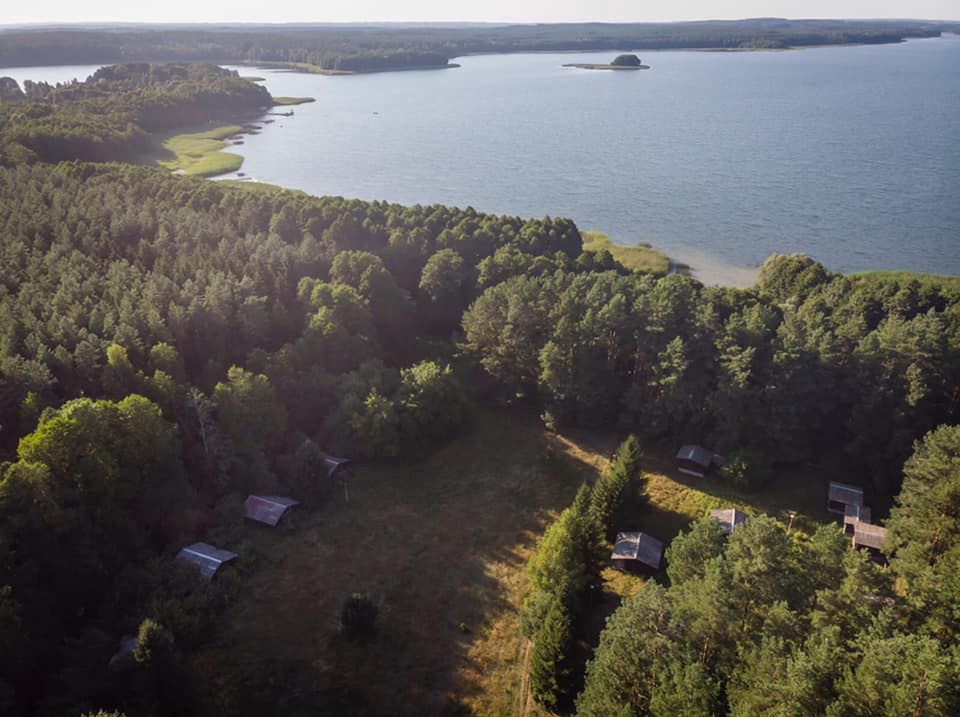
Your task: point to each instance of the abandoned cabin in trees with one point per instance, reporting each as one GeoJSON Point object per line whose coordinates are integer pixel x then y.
{"type": "Point", "coordinates": [207, 558]}
{"type": "Point", "coordinates": [267, 509]}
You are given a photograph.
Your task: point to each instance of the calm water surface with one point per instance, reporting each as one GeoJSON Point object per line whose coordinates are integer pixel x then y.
{"type": "Point", "coordinates": [849, 154]}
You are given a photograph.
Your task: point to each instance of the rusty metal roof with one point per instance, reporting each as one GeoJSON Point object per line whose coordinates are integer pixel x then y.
{"type": "Point", "coordinates": [845, 493]}
{"type": "Point", "coordinates": [206, 557]}
{"type": "Point", "coordinates": [729, 518]}
{"type": "Point", "coordinates": [638, 546]}
{"type": "Point", "coordinates": [267, 509]}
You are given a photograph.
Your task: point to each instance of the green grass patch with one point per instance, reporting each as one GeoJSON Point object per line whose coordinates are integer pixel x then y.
{"type": "Point", "coordinates": [639, 257]}
{"type": "Point", "coordinates": [253, 78]}
{"type": "Point", "coordinates": [200, 153]}
{"type": "Point", "coordinates": [285, 101]}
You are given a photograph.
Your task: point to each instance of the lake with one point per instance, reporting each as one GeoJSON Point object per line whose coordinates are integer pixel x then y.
{"type": "Point", "coordinates": [849, 154]}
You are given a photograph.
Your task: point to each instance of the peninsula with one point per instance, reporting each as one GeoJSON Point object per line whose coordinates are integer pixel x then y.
{"type": "Point", "coordinates": [620, 62]}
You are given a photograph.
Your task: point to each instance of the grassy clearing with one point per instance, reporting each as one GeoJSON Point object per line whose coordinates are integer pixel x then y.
{"type": "Point", "coordinates": [286, 101]}
{"type": "Point", "coordinates": [200, 153]}
{"type": "Point", "coordinates": [441, 546]}
{"type": "Point", "coordinates": [253, 78]}
{"type": "Point", "coordinates": [640, 257]}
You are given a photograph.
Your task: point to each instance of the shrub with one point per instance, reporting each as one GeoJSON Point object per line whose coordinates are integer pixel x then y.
{"type": "Point", "coordinates": [358, 617]}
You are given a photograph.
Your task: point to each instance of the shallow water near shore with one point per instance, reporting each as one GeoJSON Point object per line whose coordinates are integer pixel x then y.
{"type": "Point", "coordinates": [849, 154]}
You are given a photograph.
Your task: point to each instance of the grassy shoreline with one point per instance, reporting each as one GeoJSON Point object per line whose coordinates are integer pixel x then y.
{"type": "Point", "coordinates": [317, 70]}
{"type": "Point", "coordinates": [640, 257]}
{"type": "Point", "coordinates": [201, 154]}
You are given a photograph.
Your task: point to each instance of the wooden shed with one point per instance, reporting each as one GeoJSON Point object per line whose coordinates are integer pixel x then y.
{"type": "Point", "coordinates": [853, 515]}
{"type": "Point", "coordinates": [840, 495]}
{"type": "Point", "coordinates": [729, 518]}
{"type": "Point", "coordinates": [637, 553]}
{"type": "Point", "coordinates": [697, 461]}
{"type": "Point", "coordinates": [336, 467]}
{"type": "Point", "coordinates": [267, 509]}
{"type": "Point", "coordinates": [870, 538]}
{"type": "Point", "coordinates": [207, 558]}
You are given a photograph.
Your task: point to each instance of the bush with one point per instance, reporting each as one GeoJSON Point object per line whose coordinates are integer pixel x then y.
{"type": "Point", "coordinates": [358, 617]}
{"type": "Point", "coordinates": [746, 470]}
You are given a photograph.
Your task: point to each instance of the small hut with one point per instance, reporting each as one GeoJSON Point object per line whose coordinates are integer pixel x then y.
{"type": "Point", "coordinates": [337, 467]}
{"type": "Point", "coordinates": [853, 515]}
{"type": "Point", "coordinates": [207, 558]}
{"type": "Point", "coordinates": [128, 643]}
{"type": "Point", "coordinates": [840, 495]}
{"type": "Point", "coordinates": [729, 518]}
{"type": "Point", "coordinates": [697, 461]}
{"type": "Point", "coordinates": [870, 538]}
{"type": "Point", "coordinates": [267, 509]}
{"type": "Point", "coordinates": [637, 553]}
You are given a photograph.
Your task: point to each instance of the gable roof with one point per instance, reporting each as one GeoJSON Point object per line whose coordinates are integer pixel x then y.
{"type": "Point", "coordinates": [206, 557]}
{"type": "Point", "coordinates": [729, 518]}
{"type": "Point", "coordinates": [845, 493]}
{"type": "Point", "coordinates": [696, 454]}
{"type": "Point", "coordinates": [333, 464]}
{"type": "Point", "coordinates": [866, 535]}
{"type": "Point", "coordinates": [267, 509]}
{"type": "Point", "coordinates": [638, 546]}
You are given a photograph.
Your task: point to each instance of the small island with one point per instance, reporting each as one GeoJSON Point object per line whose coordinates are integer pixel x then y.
{"type": "Point", "coordinates": [620, 62]}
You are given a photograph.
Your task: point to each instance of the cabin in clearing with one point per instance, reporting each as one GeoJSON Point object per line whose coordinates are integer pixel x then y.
{"type": "Point", "coordinates": [207, 558]}
{"type": "Point", "coordinates": [637, 553]}
{"type": "Point", "coordinates": [697, 461]}
{"type": "Point", "coordinates": [841, 495]}
{"type": "Point", "coordinates": [267, 509]}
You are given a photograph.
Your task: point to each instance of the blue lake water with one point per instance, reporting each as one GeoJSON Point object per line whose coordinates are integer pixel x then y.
{"type": "Point", "coordinates": [849, 154]}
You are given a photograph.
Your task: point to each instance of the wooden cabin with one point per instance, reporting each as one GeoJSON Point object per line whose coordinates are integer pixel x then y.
{"type": "Point", "coordinates": [853, 515]}
{"type": "Point", "coordinates": [729, 518]}
{"type": "Point", "coordinates": [697, 461]}
{"type": "Point", "coordinates": [637, 553]}
{"type": "Point", "coordinates": [841, 495]}
{"type": "Point", "coordinates": [207, 558]}
{"type": "Point", "coordinates": [267, 509]}
{"type": "Point", "coordinates": [870, 538]}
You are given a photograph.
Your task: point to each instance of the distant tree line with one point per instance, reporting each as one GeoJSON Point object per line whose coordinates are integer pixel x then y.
{"type": "Point", "coordinates": [373, 48]}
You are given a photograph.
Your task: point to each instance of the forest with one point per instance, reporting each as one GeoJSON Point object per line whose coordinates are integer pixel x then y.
{"type": "Point", "coordinates": [384, 47]}
{"type": "Point", "coordinates": [169, 345]}
{"type": "Point", "coordinates": [111, 115]}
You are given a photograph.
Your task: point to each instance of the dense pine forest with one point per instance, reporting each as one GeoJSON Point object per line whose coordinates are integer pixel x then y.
{"type": "Point", "coordinates": [169, 345]}
{"type": "Point", "coordinates": [383, 47]}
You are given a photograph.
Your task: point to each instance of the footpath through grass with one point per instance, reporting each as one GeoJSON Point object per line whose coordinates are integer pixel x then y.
{"type": "Point", "coordinates": [640, 257]}
{"type": "Point", "coordinates": [441, 546]}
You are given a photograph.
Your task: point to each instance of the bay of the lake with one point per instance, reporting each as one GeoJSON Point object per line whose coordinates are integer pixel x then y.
{"type": "Point", "coordinates": [849, 154]}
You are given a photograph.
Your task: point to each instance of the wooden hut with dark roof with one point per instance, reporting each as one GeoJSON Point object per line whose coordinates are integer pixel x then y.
{"type": "Point", "coordinates": [637, 553]}
{"type": "Point", "coordinates": [207, 558]}
{"type": "Point", "coordinates": [729, 518]}
{"type": "Point", "coordinates": [697, 461]}
{"type": "Point", "coordinates": [267, 509]}
{"type": "Point", "coordinates": [870, 538]}
{"type": "Point", "coordinates": [841, 495]}
{"type": "Point", "coordinates": [853, 515]}
{"type": "Point", "coordinates": [336, 467]}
